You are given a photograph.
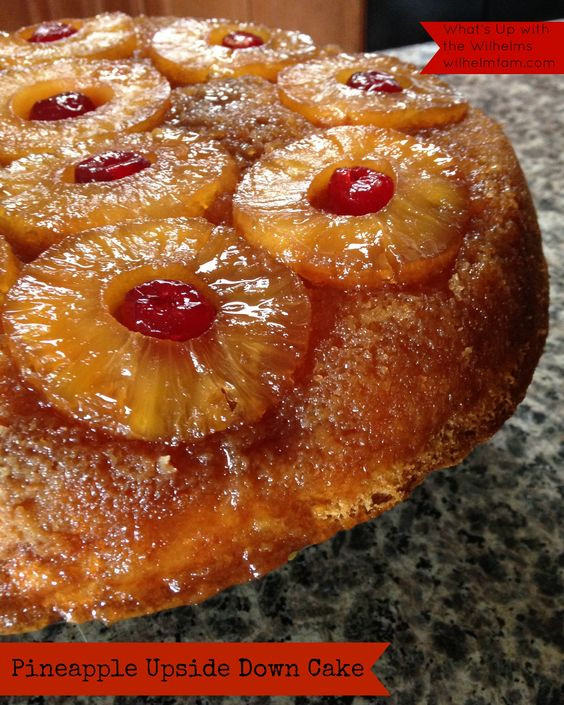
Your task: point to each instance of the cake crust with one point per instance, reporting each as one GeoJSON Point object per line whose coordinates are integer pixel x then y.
{"type": "Point", "coordinates": [398, 382]}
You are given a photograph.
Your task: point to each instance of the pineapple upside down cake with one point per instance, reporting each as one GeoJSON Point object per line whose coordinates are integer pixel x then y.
{"type": "Point", "coordinates": [253, 291]}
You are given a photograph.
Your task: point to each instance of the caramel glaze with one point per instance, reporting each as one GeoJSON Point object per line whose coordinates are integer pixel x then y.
{"type": "Point", "coordinates": [244, 114]}
{"type": "Point", "coordinates": [397, 383]}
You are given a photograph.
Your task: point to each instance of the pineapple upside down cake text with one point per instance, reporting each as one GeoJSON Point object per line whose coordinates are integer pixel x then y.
{"type": "Point", "coordinates": [253, 291]}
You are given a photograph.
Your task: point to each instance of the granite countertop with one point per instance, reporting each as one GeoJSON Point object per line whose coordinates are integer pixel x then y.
{"type": "Point", "coordinates": [462, 578]}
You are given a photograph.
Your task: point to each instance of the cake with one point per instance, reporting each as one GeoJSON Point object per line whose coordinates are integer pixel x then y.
{"type": "Point", "coordinates": [242, 313]}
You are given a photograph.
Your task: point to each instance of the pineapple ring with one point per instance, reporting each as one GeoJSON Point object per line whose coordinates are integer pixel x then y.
{"type": "Point", "coordinates": [142, 387]}
{"type": "Point", "coordinates": [145, 28]}
{"type": "Point", "coordinates": [318, 90]}
{"type": "Point", "coordinates": [130, 97]}
{"type": "Point", "coordinates": [190, 51]}
{"type": "Point", "coordinates": [416, 234]}
{"type": "Point", "coordinates": [41, 203]}
{"type": "Point", "coordinates": [110, 35]}
{"type": "Point", "coordinates": [9, 269]}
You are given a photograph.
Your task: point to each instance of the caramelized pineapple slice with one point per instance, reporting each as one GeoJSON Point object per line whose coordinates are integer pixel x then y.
{"type": "Point", "coordinates": [47, 107]}
{"type": "Point", "coordinates": [193, 51]}
{"type": "Point", "coordinates": [145, 29]}
{"type": "Point", "coordinates": [401, 222]}
{"type": "Point", "coordinates": [158, 330]}
{"type": "Point", "coordinates": [110, 35]}
{"type": "Point", "coordinates": [9, 269]}
{"type": "Point", "coordinates": [169, 172]}
{"type": "Point", "coordinates": [369, 89]}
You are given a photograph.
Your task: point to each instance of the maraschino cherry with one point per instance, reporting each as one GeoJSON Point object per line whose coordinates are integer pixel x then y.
{"type": "Point", "coordinates": [109, 166]}
{"type": "Point", "coordinates": [62, 106]}
{"type": "Point", "coordinates": [52, 32]}
{"type": "Point", "coordinates": [167, 309]}
{"type": "Point", "coordinates": [374, 82]}
{"type": "Point", "coordinates": [242, 40]}
{"type": "Point", "coordinates": [357, 190]}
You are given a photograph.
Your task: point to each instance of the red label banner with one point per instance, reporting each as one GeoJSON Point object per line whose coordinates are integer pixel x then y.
{"type": "Point", "coordinates": [497, 47]}
{"type": "Point", "coordinates": [190, 668]}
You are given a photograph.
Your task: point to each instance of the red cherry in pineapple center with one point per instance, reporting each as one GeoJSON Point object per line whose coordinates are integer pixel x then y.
{"type": "Point", "coordinates": [374, 82]}
{"type": "Point", "coordinates": [62, 106]}
{"type": "Point", "coordinates": [358, 190]}
{"type": "Point", "coordinates": [167, 309]}
{"type": "Point", "coordinates": [52, 32]}
{"type": "Point", "coordinates": [242, 40]}
{"type": "Point", "coordinates": [109, 166]}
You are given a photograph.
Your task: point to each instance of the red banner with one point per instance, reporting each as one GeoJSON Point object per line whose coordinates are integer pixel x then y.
{"type": "Point", "coordinates": [497, 47]}
{"type": "Point", "coordinates": [190, 669]}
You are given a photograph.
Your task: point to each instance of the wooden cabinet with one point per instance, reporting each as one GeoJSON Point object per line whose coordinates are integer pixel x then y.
{"type": "Point", "coordinates": [328, 21]}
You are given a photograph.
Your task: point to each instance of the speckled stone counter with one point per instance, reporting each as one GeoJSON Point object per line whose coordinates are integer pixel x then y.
{"type": "Point", "coordinates": [462, 578]}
